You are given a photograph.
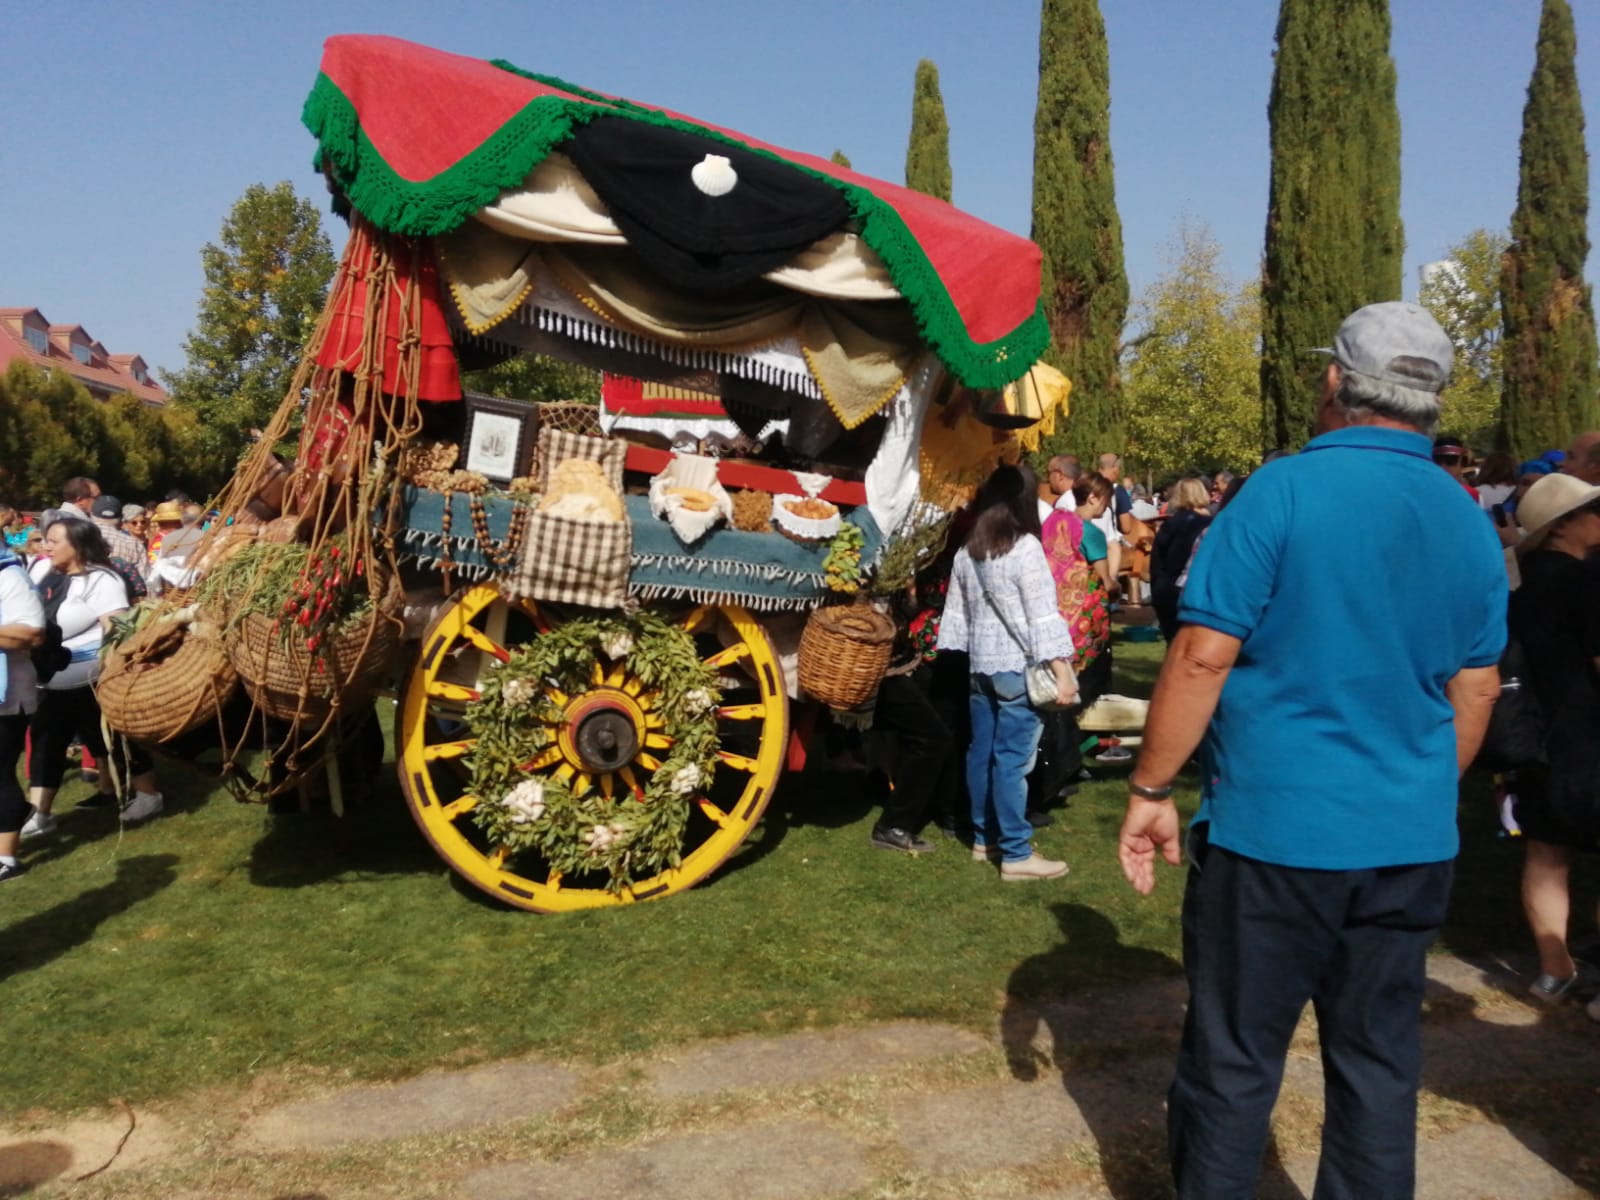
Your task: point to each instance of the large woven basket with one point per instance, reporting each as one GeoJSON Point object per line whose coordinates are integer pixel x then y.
{"type": "Point", "coordinates": [844, 652]}
{"type": "Point", "coordinates": [281, 675]}
{"type": "Point", "coordinates": [154, 688]}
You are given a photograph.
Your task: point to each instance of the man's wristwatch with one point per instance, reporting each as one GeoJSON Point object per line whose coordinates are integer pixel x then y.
{"type": "Point", "coordinates": [1150, 793]}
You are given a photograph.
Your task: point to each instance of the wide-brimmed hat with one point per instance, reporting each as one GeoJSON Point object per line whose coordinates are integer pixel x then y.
{"type": "Point", "coordinates": [1546, 502]}
{"type": "Point", "coordinates": [167, 510]}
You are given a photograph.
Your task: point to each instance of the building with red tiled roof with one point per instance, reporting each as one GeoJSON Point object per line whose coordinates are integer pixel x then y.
{"type": "Point", "coordinates": [26, 336]}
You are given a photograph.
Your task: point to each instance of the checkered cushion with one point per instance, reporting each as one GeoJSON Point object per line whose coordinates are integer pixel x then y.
{"type": "Point", "coordinates": [569, 560]}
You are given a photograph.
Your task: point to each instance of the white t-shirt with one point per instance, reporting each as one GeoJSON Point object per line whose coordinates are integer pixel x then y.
{"type": "Point", "coordinates": [96, 593]}
{"type": "Point", "coordinates": [19, 605]}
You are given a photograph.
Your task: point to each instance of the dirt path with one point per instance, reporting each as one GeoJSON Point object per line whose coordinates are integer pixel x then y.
{"type": "Point", "coordinates": [1063, 1102]}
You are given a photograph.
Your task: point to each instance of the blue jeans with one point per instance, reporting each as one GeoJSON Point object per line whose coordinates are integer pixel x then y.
{"type": "Point", "coordinates": [1005, 733]}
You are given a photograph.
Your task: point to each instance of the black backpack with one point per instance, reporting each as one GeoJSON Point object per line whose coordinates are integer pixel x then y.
{"type": "Point", "coordinates": [1518, 728]}
{"type": "Point", "coordinates": [50, 656]}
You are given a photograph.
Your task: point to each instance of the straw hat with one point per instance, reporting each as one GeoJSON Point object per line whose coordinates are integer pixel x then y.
{"type": "Point", "coordinates": [167, 510]}
{"type": "Point", "coordinates": [1546, 502]}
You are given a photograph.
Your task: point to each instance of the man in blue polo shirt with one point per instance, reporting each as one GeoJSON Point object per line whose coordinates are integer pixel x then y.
{"type": "Point", "coordinates": [1339, 700]}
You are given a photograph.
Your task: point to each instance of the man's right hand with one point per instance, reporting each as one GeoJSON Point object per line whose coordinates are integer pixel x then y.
{"type": "Point", "coordinates": [1149, 825]}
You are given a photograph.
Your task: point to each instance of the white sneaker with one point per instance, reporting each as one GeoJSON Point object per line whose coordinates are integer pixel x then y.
{"type": "Point", "coordinates": [1035, 866]}
{"type": "Point", "coordinates": [38, 825]}
{"type": "Point", "coordinates": [142, 807]}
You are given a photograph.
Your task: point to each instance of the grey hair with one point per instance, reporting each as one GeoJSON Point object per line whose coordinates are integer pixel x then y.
{"type": "Point", "coordinates": [1360, 393]}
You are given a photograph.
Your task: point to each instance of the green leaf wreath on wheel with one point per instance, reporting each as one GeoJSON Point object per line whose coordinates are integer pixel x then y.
{"type": "Point", "coordinates": [526, 802]}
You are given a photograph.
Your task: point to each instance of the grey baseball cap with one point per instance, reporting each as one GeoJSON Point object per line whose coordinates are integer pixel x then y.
{"type": "Point", "coordinates": [1397, 342]}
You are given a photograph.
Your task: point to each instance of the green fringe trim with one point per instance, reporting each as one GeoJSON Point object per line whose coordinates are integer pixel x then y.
{"type": "Point", "coordinates": [437, 205]}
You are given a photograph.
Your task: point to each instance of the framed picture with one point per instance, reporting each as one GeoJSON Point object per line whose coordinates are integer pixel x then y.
{"type": "Point", "coordinates": [500, 437]}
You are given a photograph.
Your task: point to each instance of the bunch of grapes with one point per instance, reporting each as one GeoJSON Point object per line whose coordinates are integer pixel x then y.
{"type": "Point", "coordinates": [841, 567]}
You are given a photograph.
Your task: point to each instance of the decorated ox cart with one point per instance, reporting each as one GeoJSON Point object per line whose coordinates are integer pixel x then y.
{"type": "Point", "coordinates": [599, 615]}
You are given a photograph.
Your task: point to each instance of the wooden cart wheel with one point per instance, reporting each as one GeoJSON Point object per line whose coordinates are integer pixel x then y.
{"type": "Point", "coordinates": [478, 626]}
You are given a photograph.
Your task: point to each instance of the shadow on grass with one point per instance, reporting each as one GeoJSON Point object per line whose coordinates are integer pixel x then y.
{"type": "Point", "coordinates": [375, 837]}
{"type": "Point", "coordinates": [1090, 1032]}
{"type": "Point", "coordinates": [36, 940]}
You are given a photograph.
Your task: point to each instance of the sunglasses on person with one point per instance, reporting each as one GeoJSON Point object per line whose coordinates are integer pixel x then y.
{"type": "Point", "coordinates": [1447, 460]}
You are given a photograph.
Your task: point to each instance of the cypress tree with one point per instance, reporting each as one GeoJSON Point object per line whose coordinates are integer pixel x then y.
{"type": "Point", "coordinates": [1334, 239]}
{"type": "Point", "coordinates": [928, 152]}
{"type": "Point", "coordinates": [1075, 221]}
{"type": "Point", "coordinates": [1549, 347]}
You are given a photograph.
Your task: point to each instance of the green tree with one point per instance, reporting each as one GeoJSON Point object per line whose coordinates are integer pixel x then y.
{"type": "Point", "coordinates": [1191, 374]}
{"type": "Point", "coordinates": [50, 430]}
{"type": "Point", "coordinates": [265, 282]}
{"type": "Point", "coordinates": [1334, 239]}
{"type": "Point", "coordinates": [536, 377]}
{"type": "Point", "coordinates": [1550, 352]}
{"type": "Point", "coordinates": [928, 152]}
{"type": "Point", "coordinates": [1464, 296]}
{"type": "Point", "coordinates": [1075, 220]}
{"type": "Point", "coordinates": [840, 159]}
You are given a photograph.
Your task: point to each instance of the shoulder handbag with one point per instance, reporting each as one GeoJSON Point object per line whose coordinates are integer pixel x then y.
{"type": "Point", "coordinates": [1039, 678]}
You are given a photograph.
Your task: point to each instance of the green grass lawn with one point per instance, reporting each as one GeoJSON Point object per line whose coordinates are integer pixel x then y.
{"type": "Point", "coordinates": [221, 941]}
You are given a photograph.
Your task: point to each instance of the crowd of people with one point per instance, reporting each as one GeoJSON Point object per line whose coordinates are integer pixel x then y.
{"type": "Point", "coordinates": [1333, 679]}
{"type": "Point", "coordinates": [63, 578]}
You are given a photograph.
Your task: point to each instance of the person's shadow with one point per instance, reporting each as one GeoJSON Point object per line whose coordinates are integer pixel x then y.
{"type": "Point", "coordinates": [34, 941]}
{"type": "Point", "coordinates": [1111, 1045]}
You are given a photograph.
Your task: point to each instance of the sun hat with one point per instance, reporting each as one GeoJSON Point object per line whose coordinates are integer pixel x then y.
{"type": "Point", "coordinates": [1396, 342]}
{"type": "Point", "coordinates": [168, 510]}
{"type": "Point", "coordinates": [107, 507]}
{"type": "Point", "coordinates": [1547, 501]}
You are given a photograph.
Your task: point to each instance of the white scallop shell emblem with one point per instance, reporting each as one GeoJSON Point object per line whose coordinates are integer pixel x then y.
{"type": "Point", "coordinates": [714, 175]}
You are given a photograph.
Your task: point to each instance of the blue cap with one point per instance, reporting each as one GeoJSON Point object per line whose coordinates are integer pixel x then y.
{"type": "Point", "coordinates": [1534, 466]}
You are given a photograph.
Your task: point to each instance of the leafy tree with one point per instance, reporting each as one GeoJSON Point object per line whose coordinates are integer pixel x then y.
{"type": "Point", "coordinates": [1550, 352]}
{"type": "Point", "coordinates": [1334, 239]}
{"type": "Point", "coordinates": [928, 153]}
{"type": "Point", "coordinates": [840, 159]}
{"type": "Point", "coordinates": [1075, 220]}
{"type": "Point", "coordinates": [536, 377]}
{"type": "Point", "coordinates": [265, 282]}
{"type": "Point", "coordinates": [50, 430]}
{"type": "Point", "coordinates": [1464, 296]}
{"type": "Point", "coordinates": [1192, 374]}
{"type": "Point", "coordinates": [155, 450]}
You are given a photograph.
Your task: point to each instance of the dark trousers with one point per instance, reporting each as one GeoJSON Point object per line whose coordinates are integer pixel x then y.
{"type": "Point", "coordinates": [1261, 940]}
{"type": "Point", "coordinates": [923, 745]}
{"type": "Point", "coordinates": [61, 715]}
{"type": "Point", "coordinates": [14, 807]}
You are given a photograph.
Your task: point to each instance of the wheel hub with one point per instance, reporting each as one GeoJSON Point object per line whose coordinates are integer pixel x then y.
{"type": "Point", "coordinates": [606, 740]}
{"type": "Point", "coordinates": [603, 731]}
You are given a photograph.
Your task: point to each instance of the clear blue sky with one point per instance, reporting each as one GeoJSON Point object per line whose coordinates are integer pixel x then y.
{"type": "Point", "coordinates": [131, 127]}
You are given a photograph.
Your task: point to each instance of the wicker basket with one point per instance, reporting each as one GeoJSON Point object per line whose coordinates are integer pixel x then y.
{"type": "Point", "coordinates": [160, 685]}
{"type": "Point", "coordinates": [281, 675]}
{"type": "Point", "coordinates": [844, 652]}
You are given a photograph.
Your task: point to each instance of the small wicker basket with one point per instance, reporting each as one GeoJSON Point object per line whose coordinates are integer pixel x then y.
{"type": "Point", "coordinates": [844, 652]}
{"type": "Point", "coordinates": [154, 689]}
{"type": "Point", "coordinates": [281, 675]}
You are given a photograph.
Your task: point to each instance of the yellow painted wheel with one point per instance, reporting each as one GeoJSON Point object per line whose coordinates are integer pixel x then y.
{"type": "Point", "coordinates": [478, 627]}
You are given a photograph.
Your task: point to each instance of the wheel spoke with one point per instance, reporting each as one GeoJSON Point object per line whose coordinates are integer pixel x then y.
{"type": "Point", "coordinates": [712, 811]}
{"type": "Point", "coordinates": [441, 690]}
{"type": "Point", "coordinates": [629, 778]}
{"type": "Point", "coordinates": [608, 785]}
{"type": "Point", "coordinates": [697, 618]}
{"type": "Point", "coordinates": [648, 761]}
{"type": "Point", "coordinates": [498, 855]}
{"type": "Point", "coordinates": [461, 807]}
{"type": "Point", "coordinates": [441, 750]}
{"type": "Point", "coordinates": [742, 712]}
{"type": "Point", "coordinates": [659, 741]}
{"type": "Point", "coordinates": [565, 771]}
{"type": "Point", "coordinates": [737, 761]}
{"type": "Point", "coordinates": [543, 759]}
{"type": "Point", "coordinates": [484, 642]}
{"type": "Point", "coordinates": [617, 675]}
{"type": "Point", "coordinates": [553, 880]}
{"type": "Point", "coordinates": [728, 657]}
{"type": "Point", "coordinates": [581, 783]}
